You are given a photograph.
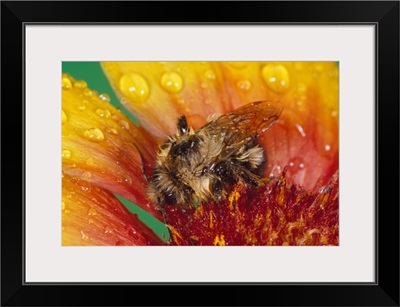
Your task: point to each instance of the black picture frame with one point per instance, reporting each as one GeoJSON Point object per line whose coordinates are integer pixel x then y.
{"type": "Point", "coordinates": [384, 15]}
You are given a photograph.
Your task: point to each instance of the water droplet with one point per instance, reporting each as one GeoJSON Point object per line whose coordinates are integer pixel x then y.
{"type": "Point", "coordinates": [90, 220]}
{"type": "Point", "coordinates": [243, 85]}
{"type": "Point", "coordinates": [66, 83]}
{"type": "Point", "coordinates": [134, 87]}
{"type": "Point", "coordinates": [276, 77]}
{"type": "Point", "coordinates": [301, 88]}
{"type": "Point", "coordinates": [66, 154]}
{"type": "Point", "coordinates": [87, 175]}
{"type": "Point", "coordinates": [94, 134]}
{"type": "Point", "coordinates": [296, 164]}
{"type": "Point", "coordinates": [84, 236]}
{"type": "Point", "coordinates": [63, 117]}
{"type": "Point", "coordinates": [333, 113]}
{"type": "Point", "coordinates": [80, 84]}
{"type": "Point", "coordinates": [172, 82]}
{"type": "Point", "coordinates": [319, 67]}
{"type": "Point", "coordinates": [113, 131]}
{"type": "Point", "coordinates": [105, 97]}
{"type": "Point", "coordinates": [209, 74]}
{"type": "Point", "coordinates": [128, 180]}
{"type": "Point", "coordinates": [301, 131]}
{"type": "Point", "coordinates": [87, 92]}
{"type": "Point", "coordinates": [108, 229]}
{"type": "Point", "coordinates": [124, 124]}
{"type": "Point", "coordinates": [327, 147]}
{"type": "Point", "coordinates": [82, 108]}
{"type": "Point", "coordinates": [332, 73]}
{"type": "Point", "coordinates": [92, 212]}
{"type": "Point", "coordinates": [103, 112]}
{"type": "Point", "coordinates": [62, 206]}
{"type": "Point", "coordinates": [90, 162]}
{"type": "Point", "coordinates": [276, 171]}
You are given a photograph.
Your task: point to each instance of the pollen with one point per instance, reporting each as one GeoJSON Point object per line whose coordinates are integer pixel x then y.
{"type": "Point", "coordinates": [212, 219]}
{"type": "Point", "coordinates": [176, 236]}
{"type": "Point", "coordinates": [219, 240]}
{"type": "Point", "coordinates": [234, 197]}
{"type": "Point", "coordinates": [281, 189]}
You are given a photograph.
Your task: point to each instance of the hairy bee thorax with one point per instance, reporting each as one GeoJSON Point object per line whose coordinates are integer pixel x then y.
{"type": "Point", "coordinates": [191, 167]}
{"type": "Point", "coordinates": [205, 164]}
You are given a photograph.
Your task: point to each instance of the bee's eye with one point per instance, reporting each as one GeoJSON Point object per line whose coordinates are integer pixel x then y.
{"type": "Point", "coordinates": [170, 199]}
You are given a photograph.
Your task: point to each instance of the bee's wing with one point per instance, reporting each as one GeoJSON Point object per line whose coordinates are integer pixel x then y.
{"type": "Point", "coordinates": [243, 124]}
{"type": "Point", "coordinates": [251, 120]}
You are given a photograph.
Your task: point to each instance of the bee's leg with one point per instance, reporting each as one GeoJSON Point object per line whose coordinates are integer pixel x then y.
{"type": "Point", "coordinates": [217, 189]}
{"type": "Point", "coordinates": [164, 215]}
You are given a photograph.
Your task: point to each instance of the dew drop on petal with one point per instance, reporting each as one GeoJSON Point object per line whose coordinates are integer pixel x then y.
{"type": "Point", "coordinates": [103, 112]}
{"type": "Point", "coordinates": [94, 134]}
{"type": "Point", "coordinates": [276, 77]}
{"type": "Point", "coordinates": [296, 164]}
{"type": "Point", "coordinates": [113, 131]}
{"type": "Point", "coordinates": [63, 117]}
{"type": "Point", "coordinates": [134, 87]}
{"type": "Point", "coordinates": [92, 212]}
{"type": "Point", "coordinates": [108, 229]}
{"type": "Point", "coordinates": [209, 74]}
{"type": "Point", "coordinates": [66, 154]}
{"type": "Point", "coordinates": [105, 97]}
{"type": "Point", "coordinates": [84, 236]}
{"type": "Point", "coordinates": [124, 124]}
{"type": "Point", "coordinates": [66, 83]}
{"type": "Point", "coordinates": [243, 85]}
{"type": "Point", "coordinates": [82, 107]}
{"type": "Point", "coordinates": [80, 84]}
{"type": "Point", "coordinates": [301, 130]}
{"type": "Point", "coordinates": [90, 220]}
{"type": "Point", "coordinates": [90, 162]}
{"type": "Point", "coordinates": [87, 175]}
{"type": "Point", "coordinates": [172, 82]}
{"type": "Point", "coordinates": [88, 92]}
{"type": "Point", "coordinates": [327, 147]}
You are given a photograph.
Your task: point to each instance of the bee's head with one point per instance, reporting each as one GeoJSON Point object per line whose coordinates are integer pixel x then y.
{"type": "Point", "coordinates": [186, 141]}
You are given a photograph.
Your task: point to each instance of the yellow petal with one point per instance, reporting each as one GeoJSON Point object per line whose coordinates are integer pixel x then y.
{"type": "Point", "coordinates": [100, 144]}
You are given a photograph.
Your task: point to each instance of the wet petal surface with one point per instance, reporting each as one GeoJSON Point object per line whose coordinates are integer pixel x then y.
{"type": "Point", "coordinates": [94, 216]}
{"type": "Point", "coordinates": [101, 146]}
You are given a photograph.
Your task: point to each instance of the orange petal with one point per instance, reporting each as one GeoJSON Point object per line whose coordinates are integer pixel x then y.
{"type": "Point", "coordinates": [158, 93]}
{"type": "Point", "coordinates": [100, 144]}
{"type": "Point", "coordinates": [94, 216]}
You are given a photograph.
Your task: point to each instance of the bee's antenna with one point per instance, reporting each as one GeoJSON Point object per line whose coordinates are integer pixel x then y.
{"type": "Point", "coordinates": [182, 125]}
{"type": "Point", "coordinates": [143, 165]}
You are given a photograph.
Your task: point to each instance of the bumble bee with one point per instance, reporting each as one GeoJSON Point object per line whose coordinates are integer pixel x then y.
{"type": "Point", "coordinates": [204, 164]}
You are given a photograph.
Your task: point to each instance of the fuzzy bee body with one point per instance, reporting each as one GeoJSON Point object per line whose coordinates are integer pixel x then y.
{"type": "Point", "coordinates": [204, 164]}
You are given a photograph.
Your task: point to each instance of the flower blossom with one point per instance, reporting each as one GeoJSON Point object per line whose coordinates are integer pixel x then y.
{"type": "Point", "coordinates": [104, 154]}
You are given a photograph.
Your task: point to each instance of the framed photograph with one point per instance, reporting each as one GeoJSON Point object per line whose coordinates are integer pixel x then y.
{"type": "Point", "coordinates": [249, 151]}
